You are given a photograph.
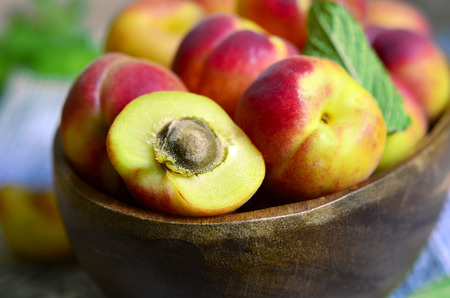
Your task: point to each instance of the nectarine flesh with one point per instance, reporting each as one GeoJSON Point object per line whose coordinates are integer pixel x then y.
{"type": "Point", "coordinates": [180, 153]}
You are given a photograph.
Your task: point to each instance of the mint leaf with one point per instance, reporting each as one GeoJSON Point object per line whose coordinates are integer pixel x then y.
{"type": "Point", "coordinates": [335, 34]}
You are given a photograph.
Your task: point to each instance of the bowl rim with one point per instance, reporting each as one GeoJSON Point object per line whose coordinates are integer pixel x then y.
{"type": "Point", "coordinates": [101, 200]}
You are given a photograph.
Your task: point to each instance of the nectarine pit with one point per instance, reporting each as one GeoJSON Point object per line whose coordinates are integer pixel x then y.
{"type": "Point", "coordinates": [189, 147]}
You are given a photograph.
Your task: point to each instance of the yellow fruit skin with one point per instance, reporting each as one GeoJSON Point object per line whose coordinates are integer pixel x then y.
{"type": "Point", "coordinates": [420, 63]}
{"type": "Point", "coordinates": [32, 225]}
{"type": "Point", "coordinates": [214, 6]}
{"type": "Point", "coordinates": [402, 144]}
{"type": "Point", "coordinates": [152, 29]}
{"type": "Point", "coordinates": [395, 14]}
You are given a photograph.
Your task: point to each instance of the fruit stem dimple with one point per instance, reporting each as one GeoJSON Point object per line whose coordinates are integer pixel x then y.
{"type": "Point", "coordinates": [325, 118]}
{"type": "Point", "coordinates": [189, 147]}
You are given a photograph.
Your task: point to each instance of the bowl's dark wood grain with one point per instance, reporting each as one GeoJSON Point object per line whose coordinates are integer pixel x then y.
{"type": "Point", "coordinates": [360, 242]}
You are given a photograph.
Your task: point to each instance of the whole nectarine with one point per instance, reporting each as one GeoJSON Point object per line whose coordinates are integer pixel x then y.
{"type": "Point", "coordinates": [152, 29]}
{"type": "Point", "coordinates": [418, 61]}
{"type": "Point", "coordinates": [319, 131]}
{"type": "Point", "coordinates": [223, 54]}
{"type": "Point", "coordinates": [94, 100]}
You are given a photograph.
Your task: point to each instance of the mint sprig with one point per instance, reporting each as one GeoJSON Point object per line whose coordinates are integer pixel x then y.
{"type": "Point", "coordinates": [335, 34]}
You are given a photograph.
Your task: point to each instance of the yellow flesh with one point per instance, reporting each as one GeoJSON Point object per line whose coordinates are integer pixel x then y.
{"type": "Point", "coordinates": [134, 131]}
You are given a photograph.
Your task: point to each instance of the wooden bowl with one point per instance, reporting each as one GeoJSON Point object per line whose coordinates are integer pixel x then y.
{"type": "Point", "coordinates": [360, 242]}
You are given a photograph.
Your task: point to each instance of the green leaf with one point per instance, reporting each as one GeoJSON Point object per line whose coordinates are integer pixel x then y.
{"type": "Point", "coordinates": [5, 68]}
{"type": "Point", "coordinates": [48, 37]}
{"type": "Point", "coordinates": [437, 289]}
{"type": "Point", "coordinates": [335, 34]}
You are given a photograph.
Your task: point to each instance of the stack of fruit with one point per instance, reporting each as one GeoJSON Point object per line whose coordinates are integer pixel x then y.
{"type": "Point", "coordinates": [207, 106]}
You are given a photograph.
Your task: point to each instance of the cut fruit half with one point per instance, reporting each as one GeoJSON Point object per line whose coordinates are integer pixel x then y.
{"type": "Point", "coordinates": [180, 153]}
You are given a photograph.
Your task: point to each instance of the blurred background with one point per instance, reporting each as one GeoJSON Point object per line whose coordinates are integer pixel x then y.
{"type": "Point", "coordinates": [34, 81]}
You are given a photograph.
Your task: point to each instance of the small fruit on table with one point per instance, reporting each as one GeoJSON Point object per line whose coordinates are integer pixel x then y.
{"type": "Point", "coordinates": [32, 224]}
{"type": "Point", "coordinates": [180, 153]}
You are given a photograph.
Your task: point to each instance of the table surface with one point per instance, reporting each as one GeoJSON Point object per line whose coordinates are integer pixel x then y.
{"type": "Point", "coordinates": [29, 114]}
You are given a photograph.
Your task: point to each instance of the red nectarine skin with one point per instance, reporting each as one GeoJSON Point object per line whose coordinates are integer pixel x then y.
{"type": "Point", "coordinates": [283, 18]}
{"type": "Point", "coordinates": [223, 54]}
{"type": "Point", "coordinates": [83, 105]}
{"type": "Point", "coordinates": [372, 32]}
{"type": "Point", "coordinates": [94, 100]}
{"type": "Point", "coordinates": [318, 130]}
{"type": "Point", "coordinates": [288, 18]}
{"type": "Point", "coordinates": [235, 63]}
{"type": "Point", "coordinates": [398, 46]}
{"type": "Point", "coordinates": [265, 97]}
{"type": "Point", "coordinates": [162, 191]}
{"type": "Point", "coordinates": [127, 81]}
{"type": "Point", "coordinates": [420, 63]}
{"type": "Point", "coordinates": [357, 8]}
{"type": "Point", "coordinates": [198, 43]}
{"type": "Point", "coordinates": [411, 100]}
{"type": "Point", "coordinates": [400, 145]}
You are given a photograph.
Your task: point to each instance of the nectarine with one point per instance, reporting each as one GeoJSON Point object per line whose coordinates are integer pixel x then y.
{"type": "Point", "coordinates": [400, 145]}
{"type": "Point", "coordinates": [95, 99]}
{"type": "Point", "coordinates": [418, 61]}
{"type": "Point", "coordinates": [288, 18]}
{"type": "Point", "coordinates": [180, 153]}
{"type": "Point", "coordinates": [319, 131]}
{"type": "Point", "coordinates": [152, 29]}
{"type": "Point", "coordinates": [397, 14]}
{"type": "Point", "coordinates": [223, 54]}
